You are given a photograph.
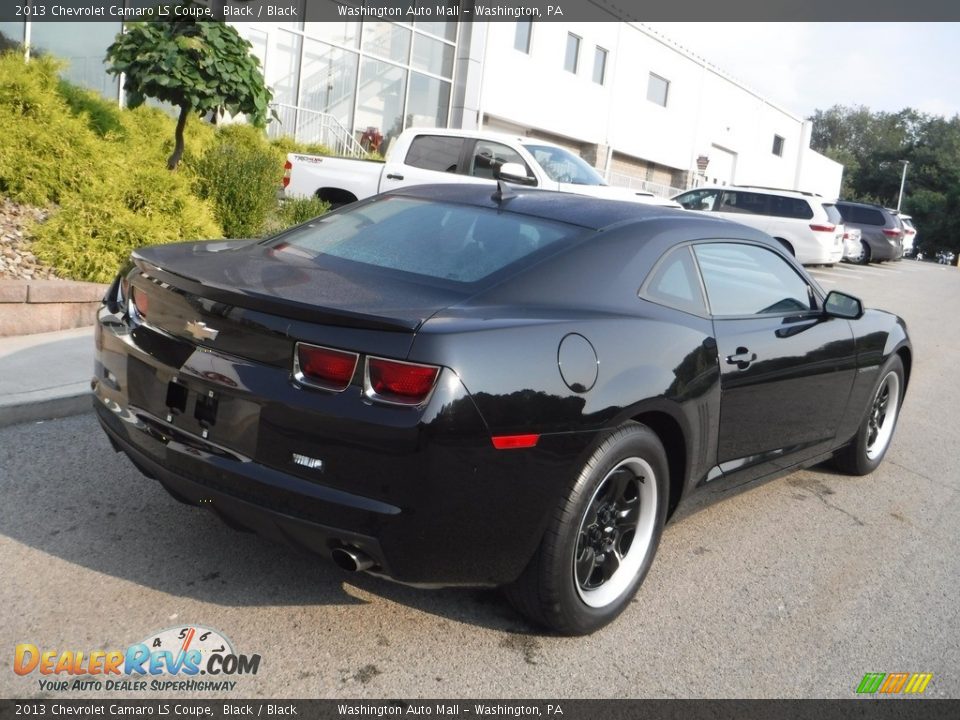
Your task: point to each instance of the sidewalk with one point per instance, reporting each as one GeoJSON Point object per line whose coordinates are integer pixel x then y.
{"type": "Point", "coordinates": [46, 375]}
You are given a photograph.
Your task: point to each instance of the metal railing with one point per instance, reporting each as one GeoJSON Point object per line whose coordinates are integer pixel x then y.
{"type": "Point", "coordinates": [635, 183]}
{"type": "Point", "coordinates": [313, 126]}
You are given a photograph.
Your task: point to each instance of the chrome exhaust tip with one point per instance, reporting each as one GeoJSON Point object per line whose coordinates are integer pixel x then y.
{"type": "Point", "coordinates": [351, 559]}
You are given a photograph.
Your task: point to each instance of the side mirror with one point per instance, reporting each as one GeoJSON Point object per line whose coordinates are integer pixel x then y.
{"type": "Point", "coordinates": [841, 305]}
{"type": "Point", "coordinates": [515, 173]}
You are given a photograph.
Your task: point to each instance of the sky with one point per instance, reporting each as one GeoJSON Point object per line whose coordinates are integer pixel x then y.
{"type": "Point", "coordinates": [808, 66]}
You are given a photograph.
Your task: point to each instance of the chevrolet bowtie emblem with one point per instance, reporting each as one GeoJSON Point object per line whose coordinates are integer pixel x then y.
{"type": "Point", "coordinates": [200, 331]}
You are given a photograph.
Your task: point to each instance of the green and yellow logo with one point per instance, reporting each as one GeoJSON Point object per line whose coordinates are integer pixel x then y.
{"type": "Point", "coordinates": [893, 683]}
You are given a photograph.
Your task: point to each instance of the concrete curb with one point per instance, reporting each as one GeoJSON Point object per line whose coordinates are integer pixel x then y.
{"type": "Point", "coordinates": [46, 375]}
{"type": "Point", "coordinates": [49, 409]}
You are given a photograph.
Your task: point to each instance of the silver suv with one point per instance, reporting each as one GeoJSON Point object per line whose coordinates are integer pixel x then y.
{"type": "Point", "coordinates": [809, 227]}
{"type": "Point", "coordinates": [881, 232]}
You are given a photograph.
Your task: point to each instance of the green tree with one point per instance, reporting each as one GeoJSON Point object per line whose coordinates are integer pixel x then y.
{"type": "Point", "coordinates": [872, 147]}
{"type": "Point", "coordinates": [198, 66]}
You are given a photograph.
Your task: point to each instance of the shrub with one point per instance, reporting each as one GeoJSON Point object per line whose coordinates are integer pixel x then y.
{"type": "Point", "coordinates": [95, 229]}
{"type": "Point", "coordinates": [295, 211]}
{"type": "Point", "coordinates": [240, 174]}
{"type": "Point", "coordinates": [102, 165]}
{"type": "Point", "coordinates": [102, 116]}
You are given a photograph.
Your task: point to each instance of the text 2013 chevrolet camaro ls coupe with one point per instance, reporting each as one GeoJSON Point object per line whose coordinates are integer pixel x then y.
{"type": "Point", "coordinates": [446, 386]}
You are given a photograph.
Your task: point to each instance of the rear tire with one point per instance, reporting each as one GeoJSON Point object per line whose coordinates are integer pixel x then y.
{"type": "Point", "coordinates": [864, 453]}
{"type": "Point", "coordinates": [601, 539]}
{"type": "Point", "coordinates": [865, 258]}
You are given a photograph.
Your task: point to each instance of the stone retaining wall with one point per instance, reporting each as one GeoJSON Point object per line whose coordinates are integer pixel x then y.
{"type": "Point", "coordinates": [35, 306]}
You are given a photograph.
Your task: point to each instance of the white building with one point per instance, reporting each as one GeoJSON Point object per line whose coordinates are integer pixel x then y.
{"type": "Point", "coordinates": [643, 110]}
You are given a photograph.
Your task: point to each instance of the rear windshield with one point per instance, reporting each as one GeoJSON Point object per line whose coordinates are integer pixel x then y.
{"type": "Point", "coordinates": [458, 243]}
{"type": "Point", "coordinates": [833, 215]}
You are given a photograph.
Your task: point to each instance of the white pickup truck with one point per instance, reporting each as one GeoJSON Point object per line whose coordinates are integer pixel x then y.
{"type": "Point", "coordinates": [421, 156]}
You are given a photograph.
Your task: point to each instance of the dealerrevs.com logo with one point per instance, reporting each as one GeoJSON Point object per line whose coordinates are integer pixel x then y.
{"type": "Point", "coordinates": [180, 659]}
{"type": "Point", "coordinates": [894, 683]}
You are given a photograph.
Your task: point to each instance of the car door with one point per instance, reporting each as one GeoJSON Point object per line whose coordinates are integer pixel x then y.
{"type": "Point", "coordinates": [487, 157]}
{"type": "Point", "coordinates": [703, 200]}
{"type": "Point", "coordinates": [429, 159]}
{"type": "Point", "coordinates": [786, 369]}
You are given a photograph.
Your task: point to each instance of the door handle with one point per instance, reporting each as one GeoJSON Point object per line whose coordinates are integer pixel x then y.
{"type": "Point", "coordinates": [394, 176]}
{"type": "Point", "coordinates": [742, 359]}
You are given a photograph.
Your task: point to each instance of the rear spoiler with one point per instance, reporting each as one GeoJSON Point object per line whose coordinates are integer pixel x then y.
{"type": "Point", "coordinates": [274, 306]}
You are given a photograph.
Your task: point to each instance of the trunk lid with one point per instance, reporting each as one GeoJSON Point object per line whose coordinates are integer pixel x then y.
{"type": "Point", "coordinates": [242, 298]}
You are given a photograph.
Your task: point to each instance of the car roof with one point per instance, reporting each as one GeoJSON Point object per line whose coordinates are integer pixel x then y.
{"type": "Point", "coordinates": [800, 194]}
{"type": "Point", "coordinates": [582, 210]}
{"type": "Point", "coordinates": [867, 205]}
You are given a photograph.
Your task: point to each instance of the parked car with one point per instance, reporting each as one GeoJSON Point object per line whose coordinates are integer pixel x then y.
{"type": "Point", "coordinates": [852, 247]}
{"type": "Point", "coordinates": [446, 385]}
{"type": "Point", "coordinates": [909, 235]}
{"type": "Point", "coordinates": [881, 232]}
{"type": "Point", "coordinates": [433, 155]}
{"type": "Point", "coordinates": [805, 224]}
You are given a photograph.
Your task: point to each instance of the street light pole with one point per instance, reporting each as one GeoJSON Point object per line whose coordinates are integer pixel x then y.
{"type": "Point", "coordinates": [903, 179]}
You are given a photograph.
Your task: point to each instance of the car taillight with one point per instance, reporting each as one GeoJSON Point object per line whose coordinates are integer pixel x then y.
{"type": "Point", "coordinates": [400, 383]}
{"type": "Point", "coordinates": [324, 367]}
{"type": "Point", "coordinates": [287, 167]}
{"type": "Point", "coordinates": [892, 232]}
{"type": "Point", "coordinates": [823, 228]}
{"type": "Point", "coordinates": [141, 301]}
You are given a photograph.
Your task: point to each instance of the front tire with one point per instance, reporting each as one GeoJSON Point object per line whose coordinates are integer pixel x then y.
{"type": "Point", "coordinates": [865, 452]}
{"type": "Point", "coordinates": [601, 539]}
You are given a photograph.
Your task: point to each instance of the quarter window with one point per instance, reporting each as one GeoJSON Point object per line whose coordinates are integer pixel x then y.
{"type": "Point", "coordinates": [674, 282]}
{"type": "Point", "coordinates": [749, 280]}
{"type": "Point", "coordinates": [435, 152]}
{"type": "Point", "coordinates": [658, 89]}
{"type": "Point", "coordinates": [571, 60]}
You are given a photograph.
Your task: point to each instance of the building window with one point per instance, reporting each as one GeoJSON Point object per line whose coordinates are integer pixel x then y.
{"type": "Point", "coordinates": [521, 39]}
{"type": "Point", "coordinates": [599, 65]}
{"type": "Point", "coordinates": [572, 59]}
{"type": "Point", "coordinates": [657, 89]}
{"type": "Point", "coordinates": [778, 146]}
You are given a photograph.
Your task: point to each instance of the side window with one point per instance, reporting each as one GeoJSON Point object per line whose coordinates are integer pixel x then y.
{"type": "Point", "coordinates": [743, 202]}
{"type": "Point", "coordinates": [435, 152]}
{"type": "Point", "coordinates": [789, 207]}
{"type": "Point", "coordinates": [699, 199]}
{"type": "Point", "coordinates": [674, 282]}
{"type": "Point", "coordinates": [488, 156]}
{"type": "Point", "coordinates": [749, 280]}
{"type": "Point", "coordinates": [862, 215]}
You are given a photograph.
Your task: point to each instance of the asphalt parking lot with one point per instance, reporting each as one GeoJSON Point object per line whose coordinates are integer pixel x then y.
{"type": "Point", "coordinates": [795, 588]}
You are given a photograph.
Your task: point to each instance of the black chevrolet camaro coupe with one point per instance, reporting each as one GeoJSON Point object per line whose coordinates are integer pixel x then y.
{"type": "Point", "coordinates": [444, 386]}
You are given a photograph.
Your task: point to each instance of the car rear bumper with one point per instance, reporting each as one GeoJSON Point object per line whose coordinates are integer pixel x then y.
{"type": "Point", "coordinates": [428, 499]}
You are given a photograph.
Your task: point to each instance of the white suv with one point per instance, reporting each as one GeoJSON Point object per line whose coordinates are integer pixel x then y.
{"type": "Point", "coordinates": [807, 226]}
